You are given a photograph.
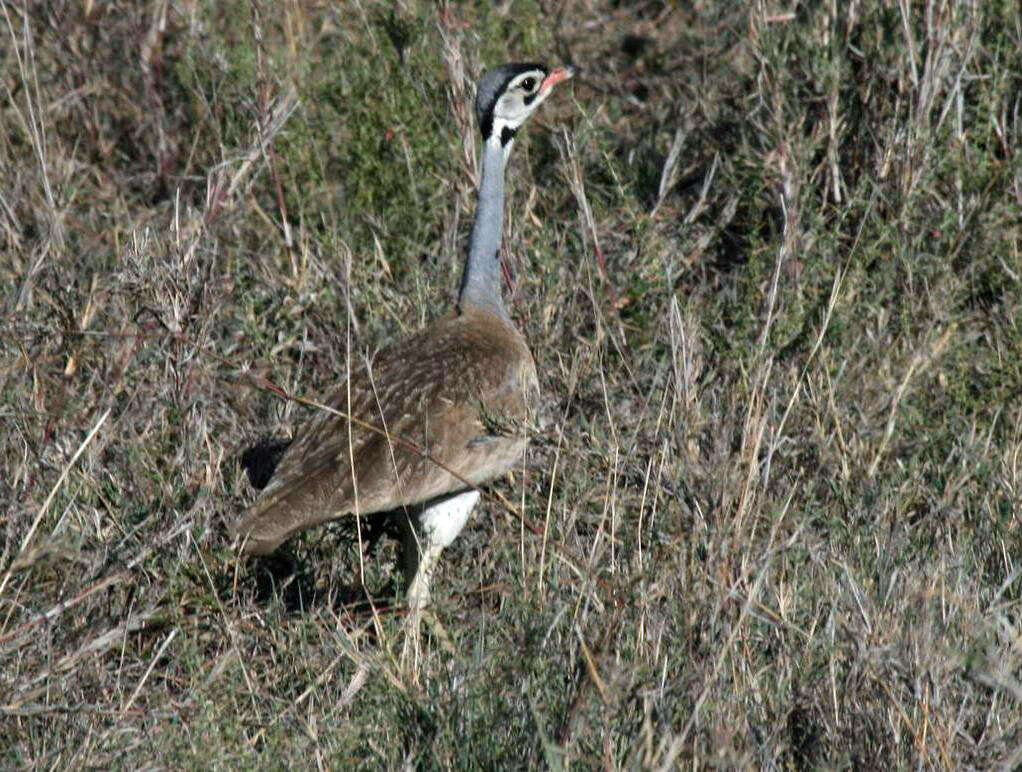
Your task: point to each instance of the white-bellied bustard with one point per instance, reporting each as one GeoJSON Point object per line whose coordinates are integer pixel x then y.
{"type": "Point", "coordinates": [422, 435]}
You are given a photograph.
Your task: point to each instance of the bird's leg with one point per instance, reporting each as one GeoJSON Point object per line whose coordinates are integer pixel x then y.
{"type": "Point", "coordinates": [418, 601]}
{"type": "Point", "coordinates": [418, 593]}
{"type": "Point", "coordinates": [435, 527]}
{"type": "Point", "coordinates": [421, 557]}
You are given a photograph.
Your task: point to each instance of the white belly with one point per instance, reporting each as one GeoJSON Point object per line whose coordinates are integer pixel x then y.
{"type": "Point", "coordinates": [441, 522]}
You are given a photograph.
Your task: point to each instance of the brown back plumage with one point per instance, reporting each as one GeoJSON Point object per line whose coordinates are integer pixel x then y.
{"type": "Point", "coordinates": [452, 397]}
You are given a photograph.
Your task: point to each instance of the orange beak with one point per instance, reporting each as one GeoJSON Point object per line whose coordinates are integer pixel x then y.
{"type": "Point", "coordinates": [556, 76]}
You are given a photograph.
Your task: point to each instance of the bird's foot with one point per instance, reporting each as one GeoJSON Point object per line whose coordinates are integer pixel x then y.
{"type": "Point", "coordinates": [411, 651]}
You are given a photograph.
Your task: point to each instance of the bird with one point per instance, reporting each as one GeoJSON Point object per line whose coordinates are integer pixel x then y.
{"type": "Point", "coordinates": [419, 427]}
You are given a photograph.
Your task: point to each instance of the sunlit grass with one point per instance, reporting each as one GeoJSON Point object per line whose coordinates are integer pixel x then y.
{"type": "Point", "coordinates": [769, 516]}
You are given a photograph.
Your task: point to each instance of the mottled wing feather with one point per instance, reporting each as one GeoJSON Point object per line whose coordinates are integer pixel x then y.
{"type": "Point", "coordinates": [433, 390]}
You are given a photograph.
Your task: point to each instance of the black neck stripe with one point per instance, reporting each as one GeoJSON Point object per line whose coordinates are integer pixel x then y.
{"type": "Point", "coordinates": [506, 135]}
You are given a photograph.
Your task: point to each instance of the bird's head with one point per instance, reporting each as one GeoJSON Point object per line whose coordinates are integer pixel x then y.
{"type": "Point", "coordinates": [507, 95]}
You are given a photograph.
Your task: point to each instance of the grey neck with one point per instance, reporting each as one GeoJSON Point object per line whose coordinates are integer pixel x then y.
{"type": "Point", "coordinates": [480, 283]}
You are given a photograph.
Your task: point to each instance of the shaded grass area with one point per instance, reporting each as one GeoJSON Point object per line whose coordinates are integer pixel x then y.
{"type": "Point", "coordinates": [768, 264]}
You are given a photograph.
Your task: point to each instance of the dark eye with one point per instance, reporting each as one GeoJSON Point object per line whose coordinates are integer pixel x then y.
{"type": "Point", "coordinates": [528, 84]}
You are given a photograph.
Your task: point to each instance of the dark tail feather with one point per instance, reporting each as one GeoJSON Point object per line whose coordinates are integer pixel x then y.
{"type": "Point", "coordinates": [261, 460]}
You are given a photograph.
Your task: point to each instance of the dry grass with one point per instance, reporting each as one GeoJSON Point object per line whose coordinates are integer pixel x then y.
{"type": "Point", "coordinates": [768, 263]}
